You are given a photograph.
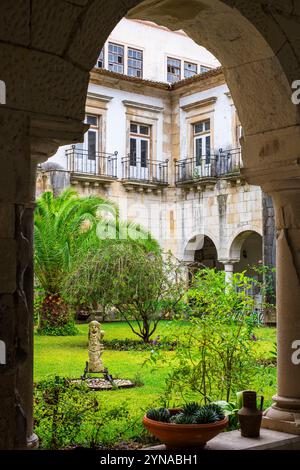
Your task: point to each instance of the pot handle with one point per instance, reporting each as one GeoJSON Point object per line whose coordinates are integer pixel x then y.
{"type": "Point", "coordinates": [261, 402]}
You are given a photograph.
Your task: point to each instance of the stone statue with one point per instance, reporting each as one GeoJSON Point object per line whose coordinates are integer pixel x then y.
{"type": "Point", "coordinates": [95, 347]}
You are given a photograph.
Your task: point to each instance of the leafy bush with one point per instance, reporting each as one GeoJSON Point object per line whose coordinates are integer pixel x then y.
{"type": "Point", "coordinates": [68, 415]}
{"type": "Point", "coordinates": [215, 356]}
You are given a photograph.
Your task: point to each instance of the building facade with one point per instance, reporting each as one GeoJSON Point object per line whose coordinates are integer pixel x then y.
{"type": "Point", "coordinates": [164, 143]}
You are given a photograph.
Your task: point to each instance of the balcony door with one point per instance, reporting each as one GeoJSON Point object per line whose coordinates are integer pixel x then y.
{"type": "Point", "coordinates": [139, 152]}
{"type": "Point", "coordinates": [86, 152]}
{"type": "Point", "coordinates": [202, 152]}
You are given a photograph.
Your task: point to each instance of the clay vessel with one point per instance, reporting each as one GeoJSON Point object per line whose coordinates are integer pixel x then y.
{"type": "Point", "coordinates": [249, 415]}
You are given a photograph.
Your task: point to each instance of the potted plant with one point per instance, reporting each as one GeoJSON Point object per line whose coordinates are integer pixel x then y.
{"type": "Point", "coordinates": [192, 425]}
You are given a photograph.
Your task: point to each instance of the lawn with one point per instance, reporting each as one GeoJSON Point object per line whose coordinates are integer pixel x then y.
{"type": "Point", "coordinates": [66, 357]}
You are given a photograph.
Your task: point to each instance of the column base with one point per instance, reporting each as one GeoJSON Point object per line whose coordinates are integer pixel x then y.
{"type": "Point", "coordinates": [283, 416]}
{"type": "Point", "coordinates": [32, 442]}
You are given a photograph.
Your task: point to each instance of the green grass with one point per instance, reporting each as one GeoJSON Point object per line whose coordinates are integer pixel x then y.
{"type": "Point", "coordinates": [66, 357]}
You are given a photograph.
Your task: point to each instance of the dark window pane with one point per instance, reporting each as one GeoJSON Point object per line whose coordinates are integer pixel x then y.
{"type": "Point", "coordinates": [207, 148]}
{"type": "Point", "coordinates": [198, 151]}
{"type": "Point", "coordinates": [91, 145]}
{"type": "Point", "coordinates": [207, 125]}
{"type": "Point", "coordinates": [92, 120]}
{"type": "Point", "coordinates": [133, 152]}
{"type": "Point", "coordinates": [134, 128]}
{"type": "Point", "coordinates": [198, 128]}
{"type": "Point", "coordinates": [144, 153]}
{"type": "Point", "coordinates": [144, 130]}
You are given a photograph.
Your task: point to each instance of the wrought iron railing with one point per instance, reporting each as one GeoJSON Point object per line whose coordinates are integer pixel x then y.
{"type": "Point", "coordinates": [195, 169]}
{"type": "Point", "coordinates": [145, 171]}
{"type": "Point", "coordinates": [96, 163]}
{"type": "Point", "coordinates": [229, 162]}
{"type": "Point", "coordinates": [212, 166]}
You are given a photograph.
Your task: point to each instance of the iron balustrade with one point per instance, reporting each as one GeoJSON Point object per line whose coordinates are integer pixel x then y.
{"type": "Point", "coordinates": [226, 162]}
{"type": "Point", "coordinates": [96, 163]}
{"type": "Point", "coordinates": [229, 162]}
{"type": "Point", "coordinates": [145, 170]}
{"type": "Point", "coordinates": [195, 169]}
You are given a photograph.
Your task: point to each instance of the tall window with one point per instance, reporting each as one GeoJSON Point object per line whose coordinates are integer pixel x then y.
{"type": "Point", "coordinates": [202, 142]}
{"type": "Point", "coordinates": [173, 70]}
{"type": "Point", "coordinates": [139, 145]}
{"type": "Point", "coordinates": [135, 63]}
{"type": "Point", "coordinates": [91, 136]}
{"type": "Point", "coordinates": [115, 57]}
{"type": "Point", "coordinates": [190, 69]}
{"type": "Point", "coordinates": [100, 61]}
{"type": "Point", "coordinates": [204, 69]}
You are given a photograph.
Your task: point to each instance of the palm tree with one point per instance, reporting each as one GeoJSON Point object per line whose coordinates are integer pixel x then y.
{"type": "Point", "coordinates": [66, 226]}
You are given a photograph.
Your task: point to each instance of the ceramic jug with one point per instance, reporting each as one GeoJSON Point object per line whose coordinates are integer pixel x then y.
{"type": "Point", "coordinates": [249, 415]}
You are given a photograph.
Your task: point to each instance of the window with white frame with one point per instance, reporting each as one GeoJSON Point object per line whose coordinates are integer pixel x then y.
{"type": "Point", "coordinates": [190, 69]}
{"type": "Point", "coordinates": [202, 142]}
{"type": "Point", "coordinates": [139, 144]}
{"type": "Point", "coordinates": [100, 61]}
{"type": "Point", "coordinates": [173, 70]}
{"type": "Point", "coordinates": [204, 69]}
{"type": "Point", "coordinates": [115, 57]}
{"type": "Point", "coordinates": [135, 62]}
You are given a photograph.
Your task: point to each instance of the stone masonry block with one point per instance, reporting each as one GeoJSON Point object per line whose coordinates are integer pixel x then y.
{"type": "Point", "coordinates": [7, 221]}
{"type": "Point", "coordinates": [8, 266]}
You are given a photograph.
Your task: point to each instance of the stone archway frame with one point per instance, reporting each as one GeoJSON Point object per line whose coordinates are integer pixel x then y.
{"type": "Point", "coordinates": [196, 242]}
{"type": "Point", "coordinates": [237, 242]}
{"type": "Point", "coordinates": [258, 45]}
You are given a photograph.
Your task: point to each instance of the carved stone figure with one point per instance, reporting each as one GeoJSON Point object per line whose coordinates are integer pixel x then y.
{"type": "Point", "coordinates": [95, 347]}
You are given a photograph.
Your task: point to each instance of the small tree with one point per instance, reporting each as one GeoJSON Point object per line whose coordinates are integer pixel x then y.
{"type": "Point", "coordinates": [215, 354]}
{"type": "Point", "coordinates": [141, 284]}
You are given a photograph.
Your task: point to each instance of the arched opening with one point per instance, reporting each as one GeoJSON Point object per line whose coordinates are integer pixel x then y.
{"type": "Point", "coordinates": [247, 250]}
{"type": "Point", "coordinates": [208, 255]}
{"type": "Point", "coordinates": [259, 66]}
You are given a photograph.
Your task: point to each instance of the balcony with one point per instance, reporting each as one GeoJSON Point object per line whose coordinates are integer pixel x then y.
{"type": "Point", "coordinates": [229, 163]}
{"type": "Point", "coordinates": [96, 167]}
{"type": "Point", "coordinates": [196, 170]}
{"type": "Point", "coordinates": [145, 174]}
{"type": "Point", "coordinates": [206, 169]}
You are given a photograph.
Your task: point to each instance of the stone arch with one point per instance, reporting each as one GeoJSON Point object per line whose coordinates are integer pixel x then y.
{"type": "Point", "coordinates": [238, 241]}
{"type": "Point", "coordinates": [196, 242]}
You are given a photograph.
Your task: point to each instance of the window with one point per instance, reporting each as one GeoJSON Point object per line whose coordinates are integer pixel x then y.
{"type": "Point", "coordinates": [204, 69]}
{"type": "Point", "coordinates": [173, 70]}
{"type": "Point", "coordinates": [135, 63]}
{"type": "Point", "coordinates": [190, 69]}
{"type": "Point", "coordinates": [139, 145]}
{"type": "Point", "coordinates": [202, 142]}
{"type": "Point", "coordinates": [115, 57]}
{"type": "Point", "coordinates": [100, 61]}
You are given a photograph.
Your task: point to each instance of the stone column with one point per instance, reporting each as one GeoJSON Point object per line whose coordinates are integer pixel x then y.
{"type": "Point", "coordinates": [284, 415]}
{"type": "Point", "coordinates": [228, 268]}
{"type": "Point", "coordinates": [16, 280]}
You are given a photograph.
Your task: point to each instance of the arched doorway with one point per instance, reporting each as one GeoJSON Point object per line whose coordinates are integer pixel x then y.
{"type": "Point", "coordinates": [45, 108]}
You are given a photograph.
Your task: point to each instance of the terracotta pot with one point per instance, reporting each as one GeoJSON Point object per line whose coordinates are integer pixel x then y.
{"type": "Point", "coordinates": [180, 436]}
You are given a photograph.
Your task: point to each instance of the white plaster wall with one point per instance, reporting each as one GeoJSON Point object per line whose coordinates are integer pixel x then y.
{"type": "Point", "coordinates": [222, 117]}
{"type": "Point", "coordinates": [157, 44]}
